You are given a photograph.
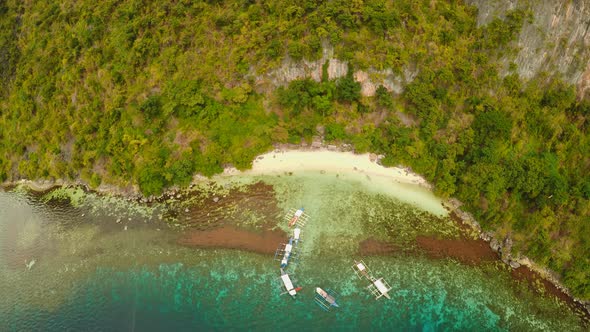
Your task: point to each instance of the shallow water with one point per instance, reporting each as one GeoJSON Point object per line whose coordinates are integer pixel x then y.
{"type": "Point", "coordinates": [90, 273]}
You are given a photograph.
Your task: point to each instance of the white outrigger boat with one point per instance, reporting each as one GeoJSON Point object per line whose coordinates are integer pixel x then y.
{"type": "Point", "coordinates": [296, 235]}
{"type": "Point", "coordinates": [285, 252]}
{"type": "Point", "coordinates": [378, 287]}
{"type": "Point", "coordinates": [326, 299]}
{"type": "Point", "coordinates": [361, 270]}
{"type": "Point", "coordinates": [288, 285]}
{"type": "Point", "coordinates": [296, 217]}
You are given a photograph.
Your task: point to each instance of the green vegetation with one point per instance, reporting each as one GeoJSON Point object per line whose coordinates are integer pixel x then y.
{"type": "Point", "coordinates": [151, 93]}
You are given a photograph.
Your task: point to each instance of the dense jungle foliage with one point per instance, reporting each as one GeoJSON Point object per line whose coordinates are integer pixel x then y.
{"type": "Point", "coordinates": [151, 93]}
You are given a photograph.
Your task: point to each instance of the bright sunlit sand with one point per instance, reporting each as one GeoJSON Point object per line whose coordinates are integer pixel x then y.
{"type": "Point", "coordinates": [395, 181]}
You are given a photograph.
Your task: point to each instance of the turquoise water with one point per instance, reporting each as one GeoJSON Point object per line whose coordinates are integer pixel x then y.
{"type": "Point", "coordinates": [92, 274]}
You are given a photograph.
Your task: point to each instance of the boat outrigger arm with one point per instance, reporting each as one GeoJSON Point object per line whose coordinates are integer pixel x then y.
{"type": "Point", "coordinates": [288, 284]}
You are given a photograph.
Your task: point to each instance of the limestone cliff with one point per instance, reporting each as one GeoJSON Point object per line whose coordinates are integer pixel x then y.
{"type": "Point", "coordinates": [555, 40]}
{"type": "Point", "coordinates": [370, 80]}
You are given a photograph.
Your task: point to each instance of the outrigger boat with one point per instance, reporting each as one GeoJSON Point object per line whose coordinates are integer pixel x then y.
{"type": "Point", "coordinates": [361, 270]}
{"type": "Point", "coordinates": [285, 251]}
{"type": "Point", "coordinates": [296, 235]}
{"type": "Point", "coordinates": [288, 285]}
{"type": "Point", "coordinates": [296, 217]}
{"type": "Point", "coordinates": [326, 299]}
{"type": "Point", "coordinates": [378, 287]}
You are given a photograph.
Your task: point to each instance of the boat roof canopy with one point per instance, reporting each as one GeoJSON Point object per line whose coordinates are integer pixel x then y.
{"type": "Point", "coordinates": [381, 286]}
{"type": "Point", "coordinates": [287, 282]}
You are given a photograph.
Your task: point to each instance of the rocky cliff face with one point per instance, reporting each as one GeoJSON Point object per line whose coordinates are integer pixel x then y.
{"type": "Point", "coordinates": [555, 40]}
{"type": "Point", "coordinates": [370, 79]}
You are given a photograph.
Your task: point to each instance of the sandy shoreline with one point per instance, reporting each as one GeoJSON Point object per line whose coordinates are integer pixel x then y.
{"type": "Point", "coordinates": [397, 182]}
{"type": "Point", "coordinates": [292, 160]}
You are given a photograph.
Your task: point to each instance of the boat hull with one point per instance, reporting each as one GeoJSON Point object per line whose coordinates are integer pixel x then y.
{"type": "Point", "coordinates": [327, 297]}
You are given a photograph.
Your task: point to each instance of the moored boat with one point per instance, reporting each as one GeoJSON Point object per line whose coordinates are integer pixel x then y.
{"type": "Point", "coordinates": [326, 299]}
{"type": "Point", "coordinates": [296, 235]}
{"type": "Point", "coordinates": [288, 284]}
{"type": "Point", "coordinates": [287, 253]}
{"type": "Point", "coordinates": [296, 217]}
{"type": "Point", "coordinates": [378, 287]}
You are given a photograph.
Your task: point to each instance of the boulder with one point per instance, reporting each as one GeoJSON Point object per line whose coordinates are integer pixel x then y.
{"type": "Point", "coordinates": [495, 245]}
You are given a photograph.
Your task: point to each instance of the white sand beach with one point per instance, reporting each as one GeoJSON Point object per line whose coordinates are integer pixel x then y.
{"type": "Point", "coordinates": [398, 182]}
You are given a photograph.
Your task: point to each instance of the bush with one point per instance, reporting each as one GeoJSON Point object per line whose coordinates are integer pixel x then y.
{"type": "Point", "coordinates": [384, 98]}
{"type": "Point", "coordinates": [95, 180]}
{"type": "Point", "coordinates": [151, 107]}
{"type": "Point", "coordinates": [151, 181]}
{"type": "Point", "coordinates": [492, 124]}
{"type": "Point", "coordinates": [347, 89]}
{"type": "Point", "coordinates": [335, 132]}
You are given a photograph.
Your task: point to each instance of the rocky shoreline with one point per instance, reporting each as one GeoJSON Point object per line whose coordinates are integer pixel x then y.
{"type": "Point", "coordinates": [522, 266]}
{"type": "Point", "coordinates": [501, 246]}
